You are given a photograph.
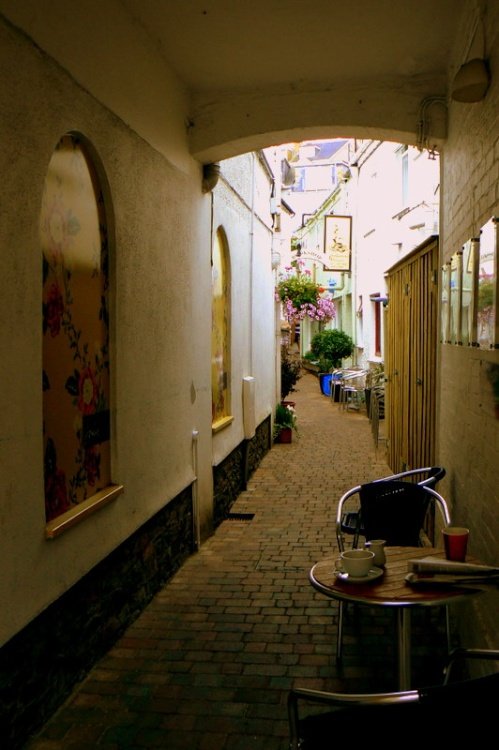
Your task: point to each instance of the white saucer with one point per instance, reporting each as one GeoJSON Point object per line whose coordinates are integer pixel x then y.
{"type": "Point", "coordinates": [373, 574]}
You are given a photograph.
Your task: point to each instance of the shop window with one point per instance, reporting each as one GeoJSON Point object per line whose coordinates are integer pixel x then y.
{"type": "Point", "coordinates": [76, 392]}
{"type": "Point", "coordinates": [220, 333]}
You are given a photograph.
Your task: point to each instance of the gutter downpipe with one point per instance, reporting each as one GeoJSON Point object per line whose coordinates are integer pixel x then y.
{"type": "Point", "coordinates": [195, 499]}
{"type": "Point", "coordinates": [250, 307]}
{"type": "Point", "coordinates": [211, 174]}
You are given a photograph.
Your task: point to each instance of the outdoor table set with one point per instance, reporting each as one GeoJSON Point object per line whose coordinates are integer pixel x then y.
{"type": "Point", "coordinates": [411, 577]}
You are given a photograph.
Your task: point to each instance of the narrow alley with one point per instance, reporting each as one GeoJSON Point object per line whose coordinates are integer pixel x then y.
{"type": "Point", "coordinates": [209, 663]}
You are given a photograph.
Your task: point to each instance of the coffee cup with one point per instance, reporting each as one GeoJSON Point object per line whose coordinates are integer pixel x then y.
{"type": "Point", "coordinates": [378, 547]}
{"type": "Point", "coordinates": [455, 542]}
{"type": "Point", "coordinates": [356, 562]}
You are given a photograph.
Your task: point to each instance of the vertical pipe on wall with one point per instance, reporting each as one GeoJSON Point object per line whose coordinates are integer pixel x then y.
{"type": "Point", "coordinates": [252, 246]}
{"type": "Point", "coordinates": [195, 499]}
{"type": "Point", "coordinates": [250, 320]}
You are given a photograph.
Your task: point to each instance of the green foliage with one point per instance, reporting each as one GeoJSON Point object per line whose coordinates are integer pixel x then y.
{"type": "Point", "coordinates": [300, 289]}
{"type": "Point", "coordinates": [290, 372]}
{"type": "Point", "coordinates": [485, 295]}
{"type": "Point", "coordinates": [285, 416]}
{"type": "Point", "coordinates": [330, 347]}
{"type": "Point", "coordinates": [325, 364]}
{"type": "Point", "coordinates": [301, 297]}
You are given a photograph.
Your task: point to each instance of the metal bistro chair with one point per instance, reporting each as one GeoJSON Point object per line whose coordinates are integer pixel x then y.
{"type": "Point", "coordinates": [394, 510]}
{"type": "Point", "coordinates": [349, 521]}
{"type": "Point", "coordinates": [352, 390]}
{"type": "Point", "coordinates": [339, 375]}
{"type": "Point", "coordinates": [434, 709]}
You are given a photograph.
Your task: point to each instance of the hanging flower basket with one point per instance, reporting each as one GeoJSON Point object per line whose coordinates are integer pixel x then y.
{"type": "Point", "coordinates": [301, 298]}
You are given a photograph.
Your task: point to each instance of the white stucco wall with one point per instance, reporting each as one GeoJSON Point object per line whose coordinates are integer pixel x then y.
{"type": "Point", "coordinates": [107, 51]}
{"type": "Point", "coordinates": [160, 249]}
{"type": "Point", "coordinates": [241, 206]}
{"type": "Point", "coordinates": [382, 231]}
{"type": "Point", "coordinates": [159, 329]}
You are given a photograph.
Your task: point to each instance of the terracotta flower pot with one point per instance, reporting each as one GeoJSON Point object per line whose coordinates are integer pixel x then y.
{"type": "Point", "coordinates": [285, 435]}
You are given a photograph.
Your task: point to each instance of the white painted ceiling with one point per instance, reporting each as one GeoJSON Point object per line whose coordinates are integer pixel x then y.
{"type": "Point", "coordinates": [255, 72]}
{"type": "Point", "coordinates": [252, 66]}
{"type": "Point", "coordinates": [248, 44]}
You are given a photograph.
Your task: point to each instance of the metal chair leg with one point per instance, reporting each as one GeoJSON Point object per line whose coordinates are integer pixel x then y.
{"type": "Point", "coordinates": [447, 629]}
{"type": "Point", "coordinates": [339, 638]}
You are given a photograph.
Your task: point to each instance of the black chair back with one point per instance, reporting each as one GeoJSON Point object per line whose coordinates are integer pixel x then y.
{"type": "Point", "coordinates": [394, 511]}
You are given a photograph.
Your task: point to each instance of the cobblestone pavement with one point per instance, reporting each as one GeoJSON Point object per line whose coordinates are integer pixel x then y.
{"type": "Point", "coordinates": [208, 664]}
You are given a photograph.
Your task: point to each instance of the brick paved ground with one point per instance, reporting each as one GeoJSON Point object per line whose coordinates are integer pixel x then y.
{"type": "Point", "coordinates": [208, 664]}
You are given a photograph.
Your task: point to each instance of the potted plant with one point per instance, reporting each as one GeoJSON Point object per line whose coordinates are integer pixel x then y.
{"type": "Point", "coordinates": [284, 423]}
{"type": "Point", "coordinates": [330, 347]}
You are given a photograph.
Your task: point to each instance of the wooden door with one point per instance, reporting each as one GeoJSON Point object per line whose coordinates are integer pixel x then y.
{"type": "Point", "coordinates": [410, 358]}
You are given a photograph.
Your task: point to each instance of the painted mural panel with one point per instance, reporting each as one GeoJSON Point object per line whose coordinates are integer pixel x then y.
{"type": "Point", "coordinates": [220, 331]}
{"type": "Point", "coordinates": [76, 422]}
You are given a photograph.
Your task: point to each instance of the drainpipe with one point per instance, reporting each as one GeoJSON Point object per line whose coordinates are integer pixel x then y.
{"type": "Point", "coordinates": [195, 499]}
{"type": "Point", "coordinates": [250, 403]}
{"type": "Point", "coordinates": [252, 246]}
{"type": "Point", "coordinates": [211, 174]}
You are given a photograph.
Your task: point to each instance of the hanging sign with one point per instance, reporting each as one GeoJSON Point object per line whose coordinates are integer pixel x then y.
{"type": "Point", "coordinates": [337, 243]}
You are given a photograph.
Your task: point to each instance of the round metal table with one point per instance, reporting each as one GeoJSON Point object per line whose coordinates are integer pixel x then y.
{"type": "Point", "coordinates": [390, 590]}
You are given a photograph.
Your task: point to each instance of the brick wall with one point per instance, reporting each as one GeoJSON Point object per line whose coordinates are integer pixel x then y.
{"type": "Point", "coordinates": [468, 429]}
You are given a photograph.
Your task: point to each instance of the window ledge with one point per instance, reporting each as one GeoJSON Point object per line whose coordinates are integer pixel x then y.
{"type": "Point", "coordinates": [221, 424]}
{"type": "Point", "coordinates": [65, 521]}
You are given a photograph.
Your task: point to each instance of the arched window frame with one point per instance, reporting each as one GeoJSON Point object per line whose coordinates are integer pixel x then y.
{"type": "Point", "coordinates": [221, 333]}
{"type": "Point", "coordinates": [74, 235]}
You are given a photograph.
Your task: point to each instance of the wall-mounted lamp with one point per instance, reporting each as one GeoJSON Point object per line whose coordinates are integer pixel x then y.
{"type": "Point", "coordinates": [211, 174]}
{"type": "Point", "coordinates": [471, 82]}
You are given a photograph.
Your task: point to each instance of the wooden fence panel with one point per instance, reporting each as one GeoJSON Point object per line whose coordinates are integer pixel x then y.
{"type": "Point", "coordinates": [410, 358]}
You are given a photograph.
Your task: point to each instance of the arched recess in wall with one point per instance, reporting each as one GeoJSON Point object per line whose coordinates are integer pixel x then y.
{"type": "Point", "coordinates": [75, 304]}
{"type": "Point", "coordinates": [220, 332]}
